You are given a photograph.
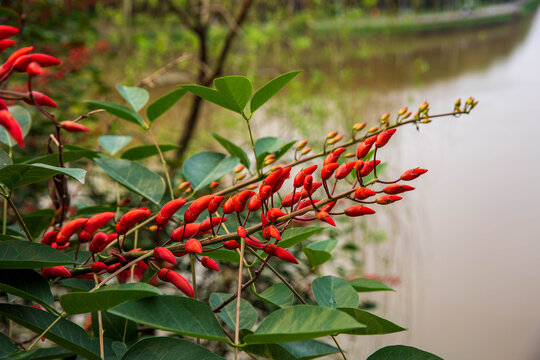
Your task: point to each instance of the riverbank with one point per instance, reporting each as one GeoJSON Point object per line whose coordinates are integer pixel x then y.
{"type": "Point", "coordinates": [426, 22]}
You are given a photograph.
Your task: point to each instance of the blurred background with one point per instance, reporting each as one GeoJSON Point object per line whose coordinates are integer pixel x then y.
{"type": "Point", "coordinates": [463, 251]}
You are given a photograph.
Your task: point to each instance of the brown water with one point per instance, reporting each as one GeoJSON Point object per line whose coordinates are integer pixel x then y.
{"type": "Point", "coordinates": [466, 243]}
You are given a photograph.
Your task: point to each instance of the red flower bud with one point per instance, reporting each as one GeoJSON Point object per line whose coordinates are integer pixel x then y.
{"type": "Point", "coordinates": [193, 246]}
{"type": "Point", "coordinates": [7, 31]}
{"type": "Point", "coordinates": [384, 137]}
{"type": "Point", "coordinates": [40, 99]}
{"type": "Point", "coordinates": [241, 232]}
{"type": "Point", "coordinates": [130, 219]}
{"type": "Point", "coordinates": [344, 170]}
{"type": "Point", "coordinates": [99, 242]}
{"type": "Point", "coordinates": [34, 69]}
{"type": "Point", "coordinates": [264, 220]}
{"type": "Point", "coordinates": [273, 178]}
{"type": "Point", "coordinates": [69, 229]}
{"type": "Point", "coordinates": [6, 44]}
{"type": "Point", "coordinates": [397, 189]}
{"type": "Point", "coordinates": [93, 224]}
{"type": "Point", "coordinates": [368, 167]}
{"type": "Point", "coordinates": [197, 207]}
{"type": "Point", "coordinates": [265, 192]}
{"type": "Point", "coordinates": [168, 210]}
{"type": "Point", "coordinates": [254, 203]}
{"type": "Point", "coordinates": [323, 216]}
{"type": "Point", "coordinates": [364, 147]}
{"type": "Point", "coordinates": [161, 253]}
{"type": "Point", "coordinates": [12, 126]}
{"type": "Point", "coordinates": [328, 170]}
{"type": "Point", "coordinates": [274, 232]}
{"type": "Point", "coordinates": [308, 183]}
{"type": "Point", "coordinates": [177, 280]}
{"type": "Point", "coordinates": [412, 174]}
{"type": "Point", "coordinates": [387, 199]}
{"type": "Point", "coordinates": [113, 268]}
{"type": "Point", "coordinates": [358, 210]}
{"type": "Point", "coordinates": [274, 213]}
{"type": "Point", "coordinates": [328, 207]}
{"type": "Point", "coordinates": [214, 204]}
{"type": "Point", "coordinates": [55, 271]}
{"type": "Point", "coordinates": [285, 255]}
{"type": "Point", "coordinates": [254, 242]}
{"type": "Point", "coordinates": [288, 199]}
{"type": "Point", "coordinates": [49, 238]}
{"type": "Point", "coordinates": [299, 179]}
{"type": "Point", "coordinates": [208, 224]}
{"type": "Point", "coordinates": [16, 54]}
{"type": "Point", "coordinates": [98, 267]}
{"type": "Point", "coordinates": [42, 60]}
{"type": "Point", "coordinates": [185, 232]}
{"type": "Point", "coordinates": [270, 249]}
{"type": "Point", "coordinates": [231, 245]}
{"type": "Point", "coordinates": [228, 207]}
{"type": "Point", "coordinates": [73, 127]}
{"type": "Point", "coordinates": [363, 193]}
{"type": "Point", "coordinates": [245, 195]}
{"type": "Point", "coordinates": [209, 263]}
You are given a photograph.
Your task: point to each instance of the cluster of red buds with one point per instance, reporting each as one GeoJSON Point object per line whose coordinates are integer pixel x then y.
{"type": "Point", "coordinates": [199, 229]}
{"type": "Point", "coordinates": [24, 60]}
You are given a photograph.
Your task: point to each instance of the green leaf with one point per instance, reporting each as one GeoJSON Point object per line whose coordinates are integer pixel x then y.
{"type": "Point", "coordinates": [402, 352]}
{"type": "Point", "coordinates": [135, 177]}
{"type": "Point", "coordinates": [301, 322]}
{"type": "Point", "coordinates": [114, 327]}
{"type": "Point", "coordinates": [38, 221]}
{"type": "Point", "coordinates": [278, 295]}
{"type": "Point", "coordinates": [17, 175]}
{"type": "Point", "coordinates": [135, 96]}
{"type": "Point", "coordinates": [270, 145]}
{"type": "Point", "coordinates": [23, 118]}
{"type": "Point", "coordinates": [52, 353]}
{"type": "Point", "coordinates": [309, 349]}
{"type": "Point", "coordinates": [145, 151]}
{"type": "Point", "coordinates": [4, 159]}
{"type": "Point", "coordinates": [248, 315]}
{"type": "Point", "coordinates": [319, 252]}
{"type": "Point", "coordinates": [67, 156]}
{"type": "Point", "coordinates": [334, 292]}
{"type": "Point", "coordinates": [166, 348]}
{"type": "Point", "coordinates": [6, 346]}
{"type": "Point", "coordinates": [27, 255]}
{"type": "Point", "coordinates": [64, 333]}
{"type": "Point", "coordinates": [106, 297]}
{"type": "Point", "coordinates": [236, 88]}
{"type": "Point", "coordinates": [113, 144]}
{"type": "Point", "coordinates": [203, 168]}
{"type": "Point", "coordinates": [294, 236]}
{"type": "Point", "coordinates": [224, 255]}
{"type": "Point", "coordinates": [368, 285]}
{"type": "Point", "coordinates": [213, 96]}
{"type": "Point", "coordinates": [164, 103]}
{"type": "Point", "coordinates": [270, 89]}
{"type": "Point", "coordinates": [77, 284]}
{"type": "Point", "coordinates": [374, 325]}
{"type": "Point", "coordinates": [233, 149]}
{"type": "Point", "coordinates": [178, 314]}
{"type": "Point", "coordinates": [27, 284]}
{"type": "Point", "coordinates": [119, 111]}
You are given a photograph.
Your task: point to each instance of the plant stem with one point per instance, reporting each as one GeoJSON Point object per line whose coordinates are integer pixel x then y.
{"type": "Point", "coordinates": [238, 298]}
{"type": "Point", "coordinates": [194, 280]}
{"type": "Point", "coordinates": [259, 169]}
{"type": "Point", "coordinates": [163, 163]}
{"type": "Point", "coordinates": [19, 217]}
{"type": "Point", "coordinates": [100, 327]}
{"type": "Point", "coordinates": [60, 317]}
{"type": "Point", "coordinates": [4, 218]}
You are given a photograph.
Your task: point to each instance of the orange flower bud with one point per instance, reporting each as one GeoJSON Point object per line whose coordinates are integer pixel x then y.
{"type": "Point", "coordinates": [387, 199]}
{"type": "Point", "coordinates": [193, 246]}
{"type": "Point", "coordinates": [358, 210]}
{"type": "Point", "coordinates": [412, 174]}
{"type": "Point", "coordinates": [397, 189]}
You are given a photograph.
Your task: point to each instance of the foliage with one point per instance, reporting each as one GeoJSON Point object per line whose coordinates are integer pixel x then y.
{"type": "Point", "coordinates": [113, 273]}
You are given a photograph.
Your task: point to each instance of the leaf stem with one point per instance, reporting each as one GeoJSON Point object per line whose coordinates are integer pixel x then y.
{"type": "Point", "coordinates": [163, 163]}
{"type": "Point", "coordinates": [238, 298]}
{"type": "Point", "coordinates": [18, 214]}
{"type": "Point", "coordinates": [60, 317]}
